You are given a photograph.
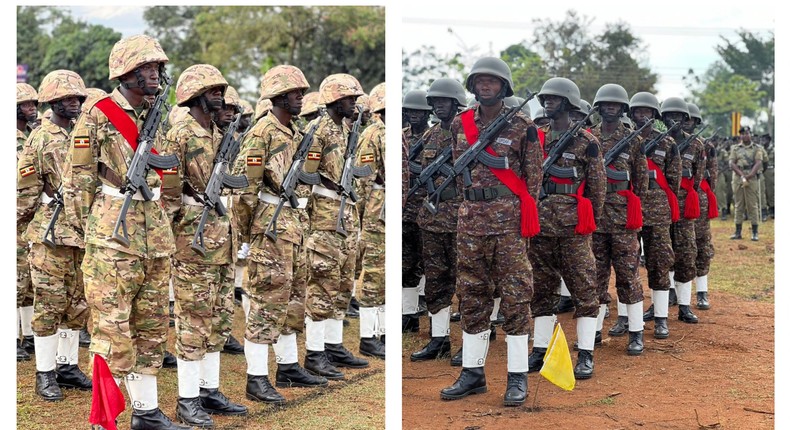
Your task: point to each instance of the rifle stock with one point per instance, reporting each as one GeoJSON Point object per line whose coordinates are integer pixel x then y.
{"type": "Point", "coordinates": [556, 151]}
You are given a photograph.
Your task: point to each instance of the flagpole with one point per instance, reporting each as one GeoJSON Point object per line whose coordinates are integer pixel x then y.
{"type": "Point", "coordinates": [535, 400]}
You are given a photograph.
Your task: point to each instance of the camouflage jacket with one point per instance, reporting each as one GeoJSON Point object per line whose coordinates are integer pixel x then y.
{"type": "Point", "coordinates": [21, 226]}
{"type": "Point", "coordinates": [723, 158]}
{"type": "Point", "coordinates": [765, 157]}
{"type": "Point", "coordinates": [745, 157]}
{"type": "Point", "coordinates": [195, 148]}
{"type": "Point", "coordinates": [326, 157]}
{"type": "Point", "coordinates": [39, 172]}
{"type": "Point", "coordinates": [405, 176]}
{"type": "Point", "coordinates": [692, 165]}
{"type": "Point", "coordinates": [655, 206]}
{"type": "Point", "coordinates": [501, 215]}
{"type": "Point", "coordinates": [99, 155]}
{"type": "Point", "coordinates": [557, 212]}
{"type": "Point", "coordinates": [711, 164]}
{"type": "Point", "coordinates": [631, 160]}
{"type": "Point", "coordinates": [265, 157]}
{"type": "Point", "coordinates": [446, 219]}
{"type": "Point", "coordinates": [414, 203]}
{"type": "Point", "coordinates": [21, 137]}
{"type": "Point", "coordinates": [371, 153]}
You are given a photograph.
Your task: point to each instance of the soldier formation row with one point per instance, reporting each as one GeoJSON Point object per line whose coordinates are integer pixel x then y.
{"type": "Point", "coordinates": [107, 225]}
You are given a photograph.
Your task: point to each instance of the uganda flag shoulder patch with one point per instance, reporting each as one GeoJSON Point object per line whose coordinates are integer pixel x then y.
{"type": "Point", "coordinates": [313, 155]}
{"type": "Point", "coordinates": [82, 142]}
{"type": "Point", "coordinates": [366, 158]}
{"type": "Point", "coordinates": [27, 171]}
{"type": "Point", "coordinates": [173, 171]}
{"type": "Point", "coordinates": [254, 161]}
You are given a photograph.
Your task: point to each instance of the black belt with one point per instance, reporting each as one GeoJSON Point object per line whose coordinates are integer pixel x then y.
{"type": "Point", "coordinates": [552, 187]}
{"type": "Point", "coordinates": [448, 193]}
{"type": "Point", "coordinates": [613, 187]}
{"type": "Point", "coordinates": [487, 193]}
{"type": "Point", "coordinates": [653, 185]}
{"type": "Point", "coordinates": [687, 173]}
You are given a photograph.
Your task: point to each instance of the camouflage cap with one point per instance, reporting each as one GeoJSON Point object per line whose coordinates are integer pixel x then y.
{"type": "Point", "coordinates": [282, 79]}
{"type": "Point", "coordinates": [60, 84]}
{"type": "Point", "coordinates": [246, 107]}
{"type": "Point", "coordinates": [262, 107]}
{"type": "Point", "coordinates": [309, 103]}
{"type": "Point", "coordinates": [378, 97]}
{"type": "Point", "coordinates": [195, 80]}
{"type": "Point", "coordinates": [134, 51]}
{"type": "Point", "coordinates": [232, 97]}
{"type": "Point", "coordinates": [335, 87]}
{"type": "Point", "coordinates": [25, 93]}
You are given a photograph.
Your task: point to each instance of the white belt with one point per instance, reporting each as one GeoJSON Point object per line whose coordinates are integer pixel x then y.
{"type": "Point", "coordinates": [190, 201]}
{"type": "Point", "coordinates": [45, 198]}
{"type": "Point", "coordinates": [326, 192]}
{"type": "Point", "coordinates": [115, 192]}
{"type": "Point", "coordinates": [274, 200]}
{"type": "Point", "coordinates": [377, 187]}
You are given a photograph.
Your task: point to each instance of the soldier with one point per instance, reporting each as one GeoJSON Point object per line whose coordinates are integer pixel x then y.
{"type": "Point", "coordinates": [262, 108]}
{"type": "Point", "coordinates": [761, 175]}
{"type": "Point", "coordinates": [310, 108]}
{"type": "Point", "coordinates": [745, 161]}
{"type": "Point", "coordinates": [684, 245]}
{"type": "Point", "coordinates": [247, 111]}
{"type": "Point", "coordinates": [59, 299]}
{"type": "Point", "coordinates": [724, 179]}
{"type": "Point", "coordinates": [371, 295]}
{"type": "Point", "coordinates": [439, 231]}
{"type": "Point", "coordinates": [417, 110]}
{"type": "Point", "coordinates": [26, 113]}
{"type": "Point", "coordinates": [129, 313]}
{"type": "Point", "coordinates": [768, 173]}
{"type": "Point", "coordinates": [540, 117]}
{"type": "Point", "coordinates": [659, 207]}
{"type": "Point", "coordinates": [494, 220]}
{"type": "Point", "coordinates": [331, 256]}
{"type": "Point", "coordinates": [568, 216]}
{"type": "Point", "coordinates": [615, 242]}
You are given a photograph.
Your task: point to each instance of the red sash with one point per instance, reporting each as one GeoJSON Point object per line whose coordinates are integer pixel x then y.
{"type": "Point", "coordinates": [633, 218]}
{"type": "Point", "coordinates": [661, 180]}
{"type": "Point", "coordinates": [692, 199]}
{"type": "Point", "coordinates": [120, 119]}
{"type": "Point", "coordinates": [713, 205]}
{"type": "Point", "coordinates": [529, 210]}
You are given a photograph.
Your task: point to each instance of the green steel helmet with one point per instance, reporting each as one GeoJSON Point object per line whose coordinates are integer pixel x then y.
{"type": "Point", "coordinates": [645, 100]}
{"type": "Point", "coordinates": [539, 114]}
{"type": "Point", "coordinates": [562, 87]}
{"type": "Point", "coordinates": [612, 93]}
{"type": "Point", "coordinates": [694, 112]}
{"type": "Point", "coordinates": [491, 66]}
{"type": "Point", "coordinates": [417, 100]}
{"type": "Point", "coordinates": [675, 104]}
{"type": "Point", "coordinates": [585, 107]}
{"type": "Point", "coordinates": [447, 87]}
{"type": "Point", "coordinates": [514, 101]}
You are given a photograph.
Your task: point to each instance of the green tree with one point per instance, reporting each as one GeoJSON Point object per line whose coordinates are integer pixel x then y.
{"type": "Point", "coordinates": [527, 68]}
{"type": "Point", "coordinates": [425, 65]}
{"type": "Point", "coordinates": [720, 92]}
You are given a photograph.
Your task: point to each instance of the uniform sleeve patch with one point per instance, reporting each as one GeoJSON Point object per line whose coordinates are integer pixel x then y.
{"type": "Point", "coordinates": [254, 161]}
{"type": "Point", "coordinates": [313, 155]}
{"type": "Point", "coordinates": [366, 158]}
{"type": "Point", "coordinates": [82, 142]}
{"type": "Point", "coordinates": [27, 171]}
{"type": "Point", "coordinates": [173, 171]}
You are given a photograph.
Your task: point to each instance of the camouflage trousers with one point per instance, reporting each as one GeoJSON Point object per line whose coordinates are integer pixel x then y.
{"type": "Point", "coordinates": [724, 189]}
{"type": "Point", "coordinates": [278, 278]}
{"type": "Point", "coordinates": [439, 259]}
{"type": "Point", "coordinates": [659, 256]}
{"type": "Point", "coordinates": [330, 262]}
{"type": "Point", "coordinates": [24, 287]}
{"type": "Point", "coordinates": [769, 188]}
{"type": "Point", "coordinates": [487, 262]}
{"type": "Point", "coordinates": [372, 292]}
{"type": "Point", "coordinates": [703, 238]}
{"type": "Point", "coordinates": [128, 299]}
{"type": "Point", "coordinates": [746, 200]}
{"type": "Point", "coordinates": [411, 263]}
{"type": "Point", "coordinates": [570, 258]}
{"type": "Point", "coordinates": [684, 245]}
{"type": "Point", "coordinates": [620, 251]}
{"type": "Point", "coordinates": [59, 295]}
{"type": "Point", "coordinates": [203, 307]}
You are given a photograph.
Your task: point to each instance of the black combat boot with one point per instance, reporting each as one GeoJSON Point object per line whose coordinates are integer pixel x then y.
{"type": "Point", "coordinates": [620, 327]}
{"type": "Point", "coordinates": [737, 234]}
{"type": "Point", "coordinates": [673, 297]}
{"type": "Point", "coordinates": [492, 335]}
{"type": "Point", "coordinates": [661, 330]}
{"type": "Point", "coordinates": [85, 338]}
{"type": "Point", "coordinates": [70, 376]}
{"type": "Point", "coordinates": [723, 214]}
{"type": "Point", "coordinates": [455, 317]}
{"type": "Point", "coordinates": [47, 386]}
{"type": "Point", "coordinates": [154, 420]}
{"type": "Point", "coordinates": [294, 375]}
{"type": "Point", "coordinates": [372, 347]}
{"type": "Point", "coordinates": [516, 392]}
{"type": "Point", "coordinates": [754, 232]}
{"type": "Point", "coordinates": [458, 358]}
{"type": "Point", "coordinates": [702, 300]}
{"type": "Point", "coordinates": [471, 381]}
{"type": "Point", "coordinates": [353, 308]}
{"type": "Point", "coordinates": [21, 354]}
{"type": "Point", "coordinates": [29, 344]}
{"type": "Point", "coordinates": [232, 346]}
{"type": "Point", "coordinates": [565, 305]}
{"type": "Point", "coordinates": [636, 342]}
{"type": "Point", "coordinates": [584, 365]}
{"type": "Point", "coordinates": [410, 323]}
{"type": "Point", "coordinates": [685, 315]}
{"type": "Point", "coordinates": [169, 361]}
{"type": "Point", "coordinates": [318, 363]}
{"type": "Point", "coordinates": [649, 314]}
{"type": "Point", "coordinates": [189, 411]}
{"type": "Point", "coordinates": [214, 402]}
{"type": "Point", "coordinates": [438, 347]}
{"type": "Point", "coordinates": [260, 389]}
{"type": "Point", "coordinates": [339, 356]}
{"type": "Point", "coordinates": [535, 360]}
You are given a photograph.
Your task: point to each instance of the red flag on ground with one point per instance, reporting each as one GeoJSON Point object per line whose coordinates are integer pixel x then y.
{"type": "Point", "coordinates": [108, 401]}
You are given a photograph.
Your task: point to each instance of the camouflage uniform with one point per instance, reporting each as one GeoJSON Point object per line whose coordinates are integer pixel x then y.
{"type": "Point", "coordinates": [683, 232]}
{"type": "Point", "coordinates": [24, 288]}
{"type": "Point", "coordinates": [702, 228]}
{"type": "Point", "coordinates": [768, 173]}
{"type": "Point", "coordinates": [411, 265]}
{"type": "Point", "coordinates": [724, 179]}
{"type": "Point", "coordinates": [761, 175]}
{"type": "Point", "coordinates": [745, 194]}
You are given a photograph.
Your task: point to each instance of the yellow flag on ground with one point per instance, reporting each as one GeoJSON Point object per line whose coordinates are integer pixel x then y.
{"type": "Point", "coordinates": [557, 365]}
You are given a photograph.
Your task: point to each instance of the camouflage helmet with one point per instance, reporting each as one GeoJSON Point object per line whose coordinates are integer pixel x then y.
{"type": "Point", "coordinates": [263, 106]}
{"type": "Point", "coordinates": [281, 80]}
{"type": "Point", "coordinates": [694, 112]}
{"type": "Point", "coordinates": [562, 87]}
{"type": "Point", "coordinates": [612, 93]}
{"type": "Point", "coordinates": [25, 93]}
{"type": "Point", "coordinates": [491, 66]}
{"type": "Point", "coordinates": [674, 104]}
{"type": "Point", "coordinates": [378, 98]}
{"type": "Point", "coordinates": [514, 101]}
{"type": "Point", "coordinates": [246, 107]}
{"type": "Point", "coordinates": [232, 97]}
{"type": "Point", "coordinates": [447, 87]}
{"type": "Point", "coordinates": [195, 80]}
{"type": "Point", "coordinates": [309, 103]}
{"type": "Point", "coordinates": [417, 100]}
{"type": "Point", "coordinates": [364, 100]}
{"type": "Point", "coordinates": [585, 107]}
{"type": "Point", "coordinates": [540, 113]}
{"type": "Point", "coordinates": [335, 87]}
{"type": "Point", "coordinates": [60, 84]}
{"type": "Point", "coordinates": [646, 100]}
{"type": "Point", "coordinates": [132, 52]}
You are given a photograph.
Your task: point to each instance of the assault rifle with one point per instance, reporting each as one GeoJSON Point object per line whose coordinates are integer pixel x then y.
{"type": "Point", "coordinates": [349, 172]}
{"type": "Point", "coordinates": [549, 169]}
{"type": "Point", "coordinates": [142, 161]}
{"type": "Point", "coordinates": [292, 178]}
{"type": "Point", "coordinates": [476, 153]}
{"type": "Point", "coordinates": [683, 146]}
{"type": "Point", "coordinates": [618, 149]}
{"type": "Point", "coordinates": [57, 205]}
{"type": "Point", "coordinates": [653, 144]}
{"type": "Point", "coordinates": [228, 150]}
{"type": "Point", "coordinates": [414, 152]}
{"type": "Point", "coordinates": [440, 164]}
